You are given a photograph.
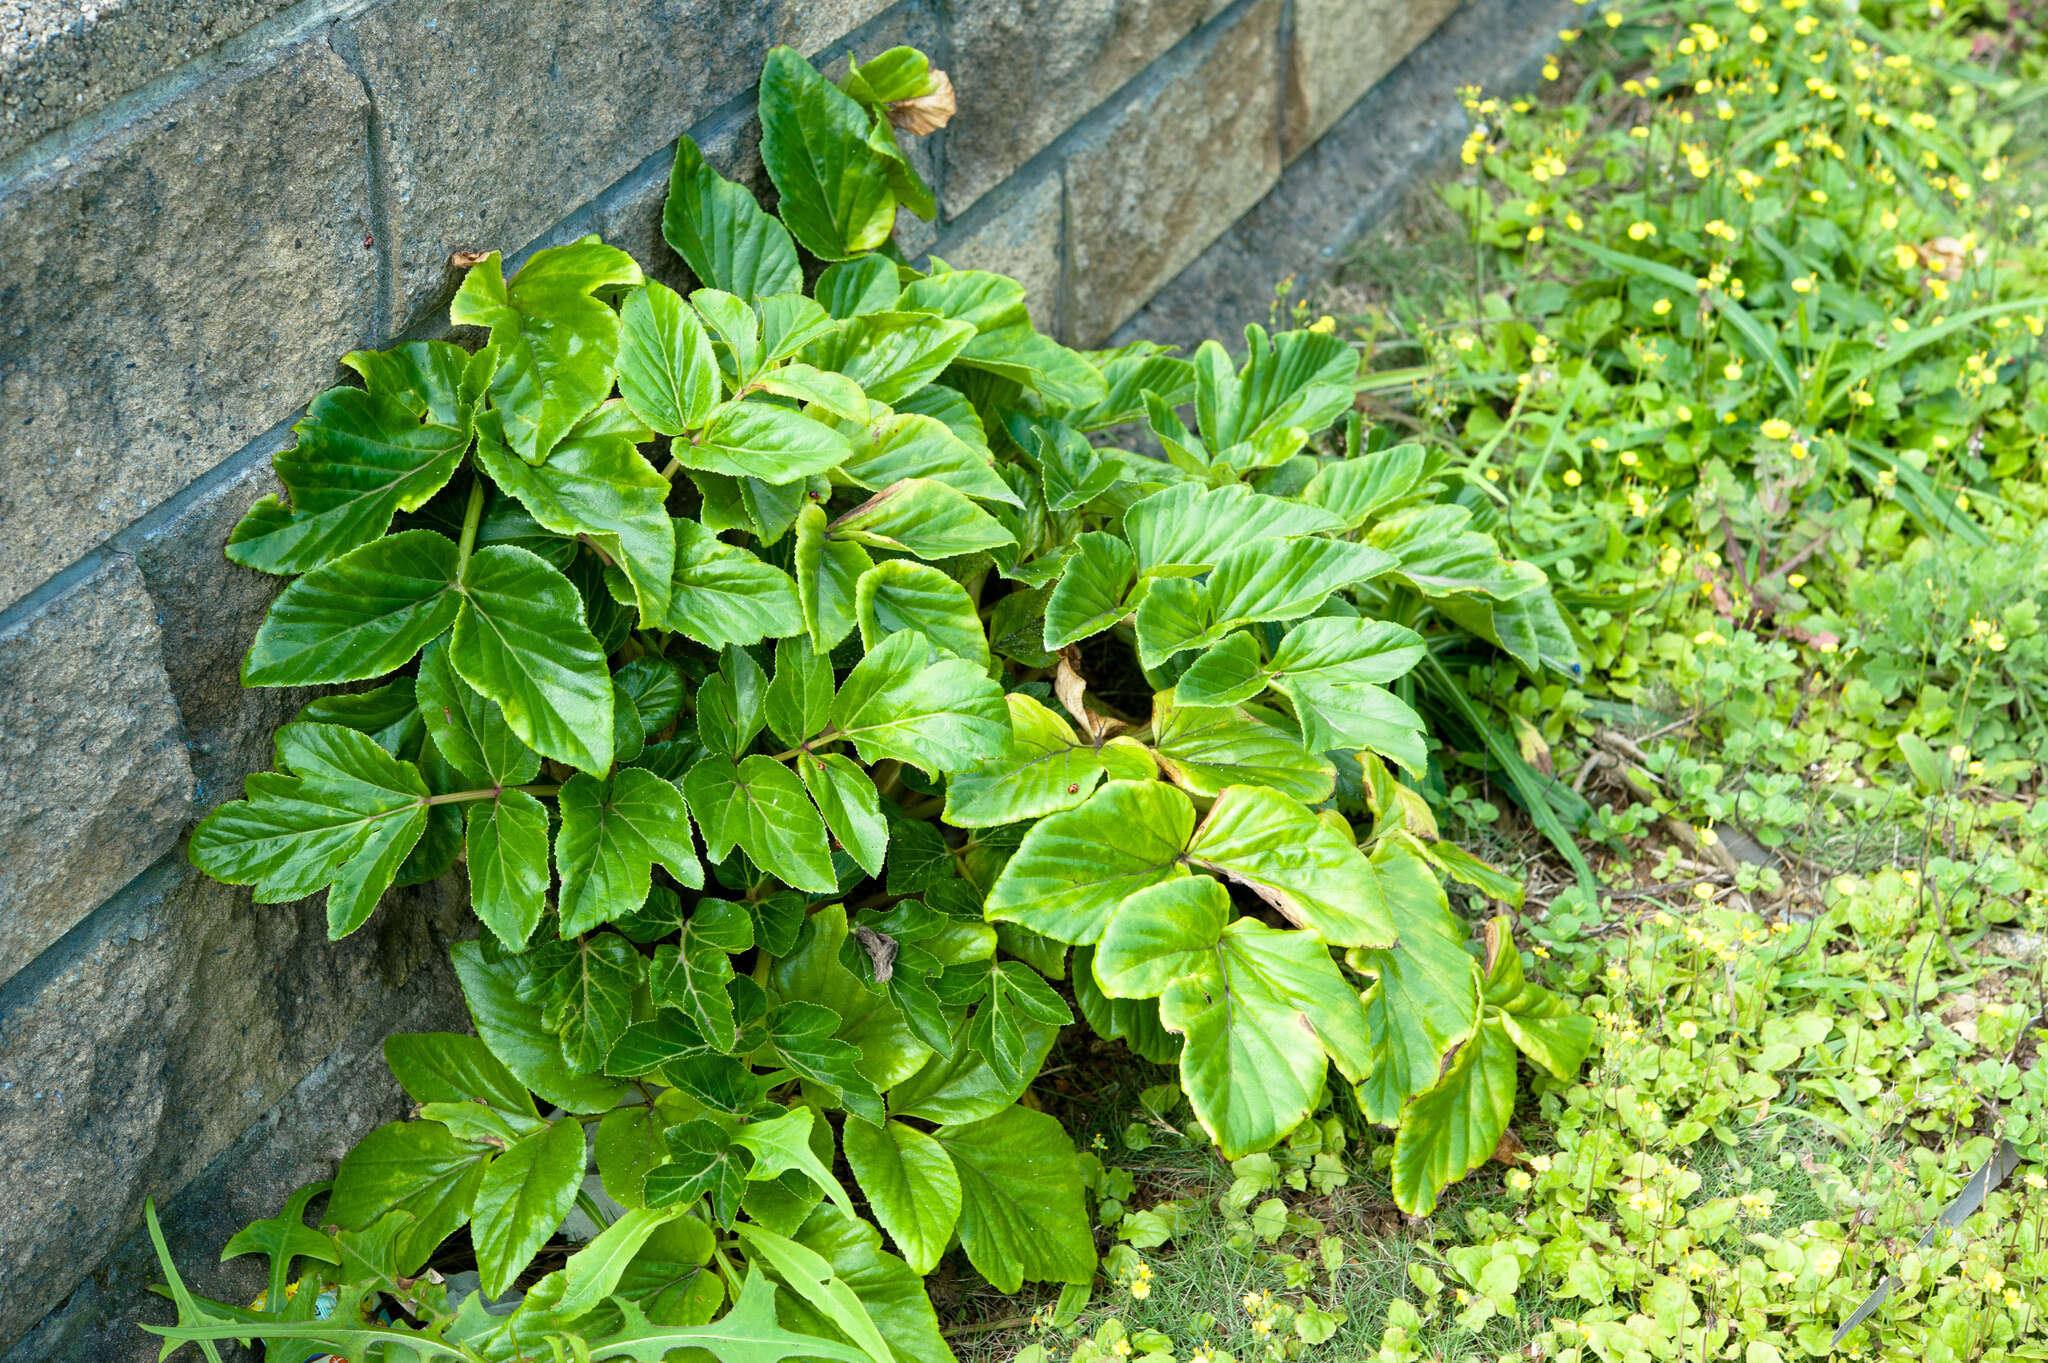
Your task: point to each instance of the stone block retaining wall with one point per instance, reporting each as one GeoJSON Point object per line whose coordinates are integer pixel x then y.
{"type": "Point", "coordinates": [203, 203]}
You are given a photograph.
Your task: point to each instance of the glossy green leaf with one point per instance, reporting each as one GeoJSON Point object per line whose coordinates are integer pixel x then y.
{"type": "Point", "coordinates": [1542, 1025]}
{"type": "Point", "coordinates": [760, 806]}
{"type": "Point", "coordinates": [834, 189]}
{"type": "Point", "coordinates": [1454, 1128]}
{"type": "Point", "coordinates": [343, 813]}
{"type": "Point", "coordinates": [557, 345]}
{"type": "Point", "coordinates": [748, 1333]}
{"type": "Point", "coordinates": [506, 844]}
{"type": "Point", "coordinates": [667, 373]}
{"type": "Point", "coordinates": [613, 832]}
{"type": "Point", "coordinates": [721, 594]}
{"type": "Point", "coordinates": [828, 570]}
{"type": "Point", "coordinates": [694, 975]}
{"type": "Point", "coordinates": [799, 698]}
{"type": "Point", "coordinates": [418, 1168]}
{"type": "Point", "coordinates": [361, 457]}
{"type": "Point", "coordinates": [469, 730]}
{"type": "Point", "coordinates": [1205, 749]}
{"type": "Point", "coordinates": [1075, 867]}
{"type": "Point", "coordinates": [1047, 768]}
{"type": "Point", "coordinates": [815, 972]}
{"type": "Point", "coordinates": [806, 1041]}
{"type": "Point", "coordinates": [1093, 589]}
{"type": "Point", "coordinates": [762, 440]}
{"type": "Point", "coordinates": [784, 1144]}
{"type": "Point", "coordinates": [1278, 849]}
{"type": "Point", "coordinates": [357, 616]}
{"type": "Point", "coordinates": [1188, 526]}
{"type": "Point", "coordinates": [585, 988]}
{"type": "Point", "coordinates": [852, 808]}
{"type": "Point", "coordinates": [890, 1292]}
{"type": "Point", "coordinates": [909, 1181]}
{"type": "Point", "coordinates": [1424, 998]}
{"type": "Point", "coordinates": [524, 1195]}
{"type": "Point", "coordinates": [1021, 1211]}
{"type": "Point", "coordinates": [728, 241]}
{"type": "Point", "coordinates": [811, 1276]}
{"type": "Point", "coordinates": [863, 284]}
{"type": "Point", "coordinates": [923, 517]}
{"type": "Point", "coordinates": [891, 354]}
{"type": "Point", "coordinates": [512, 1028]}
{"type": "Point", "coordinates": [905, 701]}
{"type": "Point", "coordinates": [905, 595]}
{"type": "Point", "coordinates": [1028, 357]}
{"type": "Point", "coordinates": [912, 445]}
{"type": "Point", "coordinates": [521, 640]}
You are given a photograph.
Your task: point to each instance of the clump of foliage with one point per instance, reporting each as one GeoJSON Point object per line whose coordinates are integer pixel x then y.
{"type": "Point", "coordinates": [806, 695]}
{"type": "Point", "coordinates": [1772, 1118]}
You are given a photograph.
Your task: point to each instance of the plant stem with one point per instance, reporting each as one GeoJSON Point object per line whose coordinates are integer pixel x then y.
{"type": "Point", "coordinates": [490, 793]}
{"type": "Point", "coordinates": [472, 515]}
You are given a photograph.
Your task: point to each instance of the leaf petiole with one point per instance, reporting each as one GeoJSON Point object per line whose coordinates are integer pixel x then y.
{"type": "Point", "coordinates": [491, 793]}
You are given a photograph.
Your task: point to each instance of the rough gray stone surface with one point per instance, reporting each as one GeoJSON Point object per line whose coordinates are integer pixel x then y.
{"type": "Point", "coordinates": [1338, 50]}
{"type": "Point", "coordinates": [1169, 166]}
{"type": "Point", "coordinates": [94, 784]}
{"type": "Point", "coordinates": [494, 117]}
{"type": "Point", "coordinates": [61, 60]}
{"type": "Point", "coordinates": [1410, 124]}
{"type": "Point", "coordinates": [1027, 70]}
{"type": "Point", "coordinates": [298, 1141]}
{"type": "Point", "coordinates": [143, 1046]}
{"type": "Point", "coordinates": [208, 610]}
{"type": "Point", "coordinates": [1019, 238]}
{"type": "Point", "coordinates": [174, 291]}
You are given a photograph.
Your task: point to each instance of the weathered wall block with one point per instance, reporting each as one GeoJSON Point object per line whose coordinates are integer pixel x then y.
{"type": "Point", "coordinates": [1169, 166]}
{"type": "Point", "coordinates": [174, 291]}
{"type": "Point", "coordinates": [1027, 70]}
{"type": "Point", "coordinates": [1020, 238]}
{"type": "Point", "coordinates": [496, 118]}
{"type": "Point", "coordinates": [62, 62]}
{"type": "Point", "coordinates": [1340, 49]}
{"type": "Point", "coordinates": [137, 1051]}
{"type": "Point", "coordinates": [94, 784]}
{"type": "Point", "coordinates": [207, 610]}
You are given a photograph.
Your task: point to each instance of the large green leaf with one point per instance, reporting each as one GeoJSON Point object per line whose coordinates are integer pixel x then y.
{"type": "Point", "coordinates": [469, 730]}
{"type": "Point", "coordinates": [783, 1144]}
{"type": "Point", "coordinates": [1542, 1025]}
{"type": "Point", "coordinates": [418, 1168]}
{"type": "Point", "coordinates": [912, 445]}
{"type": "Point", "coordinates": [814, 971]}
{"type": "Point", "coordinates": [1333, 669]}
{"type": "Point", "coordinates": [923, 517]}
{"type": "Point", "coordinates": [1263, 1010]}
{"type": "Point", "coordinates": [512, 1028]}
{"type": "Point", "coordinates": [1047, 768]}
{"type": "Point", "coordinates": [906, 701]}
{"type": "Point", "coordinates": [1279, 849]}
{"type": "Point", "coordinates": [890, 1291]}
{"type": "Point", "coordinates": [1205, 749]}
{"type": "Point", "coordinates": [746, 1334]}
{"type": "Point", "coordinates": [1455, 1127]}
{"type": "Point", "coordinates": [361, 456]}
{"type": "Point", "coordinates": [694, 976]}
{"type": "Point", "coordinates": [909, 1180]}
{"type": "Point", "coordinates": [1188, 526]}
{"type": "Point", "coordinates": [520, 639]}
{"type": "Point", "coordinates": [828, 573]}
{"type": "Point", "coordinates": [357, 616]}
{"type": "Point", "coordinates": [1025, 356]}
{"type": "Point", "coordinates": [728, 240]}
{"type": "Point", "coordinates": [903, 594]}
{"type": "Point", "coordinates": [450, 1067]}
{"type": "Point", "coordinates": [834, 188]}
{"type": "Point", "coordinates": [760, 806]}
{"type": "Point", "coordinates": [1093, 588]}
{"type": "Point", "coordinates": [762, 440]}
{"type": "Point", "coordinates": [667, 373]}
{"type": "Point", "coordinates": [596, 485]}
{"type": "Point", "coordinates": [585, 987]}
{"type": "Point", "coordinates": [1425, 993]}
{"type": "Point", "coordinates": [1256, 581]}
{"type": "Point", "coordinates": [963, 1087]}
{"type": "Point", "coordinates": [1359, 489]}
{"type": "Point", "coordinates": [1075, 867]}
{"type": "Point", "coordinates": [1021, 1212]}
{"type": "Point", "coordinates": [613, 831]}
{"type": "Point", "coordinates": [557, 346]}
{"type": "Point", "coordinates": [506, 845]}
{"type": "Point", "coordinates": [344, 813]}
{"type": "Point", "coordinates": [811, 1277]}
{"type": "Point", "coordinates": [852, 807]}
{"type": "Point", "coordinates": [891, 354]}
{"type": "Point", "coordinates": [1299, 378]}
{"type": "Point", "coordinates": [523, 1197]}
{"type": "Point", "coordinates": [722, 594]}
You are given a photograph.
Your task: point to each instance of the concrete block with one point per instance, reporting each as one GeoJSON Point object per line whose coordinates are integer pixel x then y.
{"type": "Point", "coordinates": [94, 782]}
{"type": "Point", "coordinates": [1165, 169]}
{"type": "Point", "coordinates": [170, 293]}
{"type": "Point", "coordinates": [147, 1043]}
{"type": "Point", "coordinates": [1339, 49]}
{"type": "Point", "coordinates": [60, 62]}
{"type": "Point", "coordinates": [1017, 234]}
{"type": "Point", "coordinates": [1027, 70]}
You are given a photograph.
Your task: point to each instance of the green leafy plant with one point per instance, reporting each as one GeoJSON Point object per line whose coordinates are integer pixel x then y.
{"type": "Point", "coordinates": [805, 694]}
